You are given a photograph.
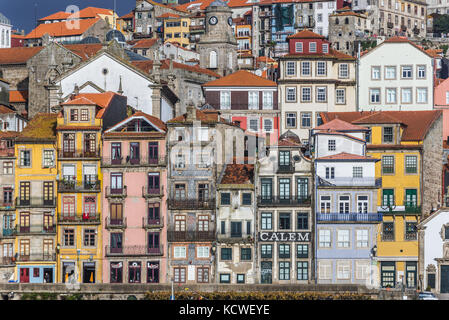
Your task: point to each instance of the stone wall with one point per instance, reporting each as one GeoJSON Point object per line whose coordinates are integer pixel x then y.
{"type": "Point", "coordinates": [16, 75]}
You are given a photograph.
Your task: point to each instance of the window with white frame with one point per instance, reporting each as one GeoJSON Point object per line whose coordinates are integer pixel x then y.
{"type": "Point", "coordinates": [357, 172]}
{"type": "Point", "coordinates": [291, 68]}
{"type": "Point", "coordinates": [48, 158]}
{"type": "Point", "coordinates": [343, 70]}
{"type": "Point", "coordinates": [343, 238]}
{"type": "Point", "coordinates": [361, 238]}
{"type": "Point", "coordinates": [343, 270]}
{"type": "Point", "coordinates": [331, 145]}
{"type": "Point", "coordinates": [312, 47]}
{"type": "Point", "coordinates": [421, 72]}
{"type": "Point", "coordinates": [305, 68]}
{"type": "Point", "coordinates": [298, 47]}
{"type": "Point", "coordinates": [321, 94]}
{"type": "Point", "coordinates": [325, 268]}
{"type": "Point", "coordinates": [421, 94]}
{"type": "Point", "coordinates": [254, 125]}
{"type": "Point", "coordinates": [291, 94]}
{"type": "Point", "coordinates": [306, 94]}
{"type": "Point", "coordinates": [406, 72]}
{"type": "Point", "coordinates": [324, 238]}
{"type": "Point", "coordinates": [325, 48]}
{"type": "Point", "coordinates": [362, 270]}
{"type": "Point", "coordinates": [225, 100]}
{"type": "Point", "coordinates": [179, 252]}
{"type": "Point", "coordinates": [290, 120]}
{"type": "Point", "coordinates": [340, 95]}
{"type": "Point", "coordinates": [406, 95]}
{"type": "Point", "coordinates": [325, 204]}
{"type": "Point", "coordinates": [343, 204]}
{"type": "Point", "coordinates": [321, 68]}
{"type": "Point", "coordinates": [362, 204]}
{"type": "Point", "coordinates": [374, 95]}
{"type": "Point", "coordinates": [253, 100]}
{"type": "Point", "coordinates": [447, 97]}
{"type": "Point", "coordinates": [306, 119]}
{"type": "Point", "coordinates": [202, 252]}
{"type": "Point", "coordinates": [268, 125]}
{"type": "Point", "coordinates": [390, 72]}
{"type": "Point", "coordinates": [375, 73]}
{"type": "Point", "coordinates": [391, 95]}
{"type": "Point", "coordinates": [267, 100]}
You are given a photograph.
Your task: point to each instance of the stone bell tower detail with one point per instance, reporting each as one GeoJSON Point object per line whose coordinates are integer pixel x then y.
{"type": "Point", "coordinates": [218, 47]}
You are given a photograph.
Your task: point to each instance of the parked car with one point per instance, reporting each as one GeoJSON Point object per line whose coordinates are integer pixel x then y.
{"type": "Point", "coordinates": [426, 295]}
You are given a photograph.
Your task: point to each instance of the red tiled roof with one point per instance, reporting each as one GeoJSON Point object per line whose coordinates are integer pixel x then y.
{"type": "Point", "coordinates": [5, 109]}
{"type": "Point", "coordinates": [102, 100]}
{"type": "Point", "coordinates": [403, 40]}
{"type": "Point", "coordinates": [332, 54]}
{"type": "Point", "coordinates": [417, 123]}
{"type": "Point", "coordinates": [17, 55]}
{"type": "Point", "coordinates": [346, 156]}
{"type": "Point", "coordinates": [378, 117]}
{"type": "Point", "coordinates": [145, 43]}
{"type": "Point", "coordinates": [436, 53]}
{"type": "Point", "coordinates": [265, 59]}
{"type": "Point", "coordinates": [147, 65]}
{"type": "Point", "coordinates": [79, 101]}
{"type": "Point", "coordinates": [60, 29]}
{"type": "Point", "coordinates": [241, 78]}
{"type": "Point", "coordinates": [156, 121]}
{"type": "Point", "coordinates": [16, 96]}
{"type": "Point", "coordinates": [128, 16]}
{"type": "Point", "coordinates": [85, 51]}
{"type": "Point", "coordinates": [92, 12]}
{"type": "Point", "coordinates": [203, 4]}
{"type": "Point", "coordinates": [203, 116]}
{"type": "Point", "coordinates": [238, 174]}
{"type": "Point", "coordinates": [305, 34]}
{"type": "Point", "coordinates": [169, 15]}
{"type": "Point", "coordinates": [56, 16]}
{"type": "Point", "coordinates": [287, 143]}
{"type": "Point", "coordinates": [339, 125]}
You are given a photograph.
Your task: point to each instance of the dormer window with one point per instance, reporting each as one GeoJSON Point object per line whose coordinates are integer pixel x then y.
{"type": "Point", "coordinates": [298, 47]}
{"type": "Point", "coordinates": [84, 115]}
{"type": "Point", "coordinates": [73, 114]}
{"type": "Point", "coordinates": [312, 47]}
{"type": "Point", "coordinates": [325, 48]}
{"type": "Point", "coordinates": [388, 134]}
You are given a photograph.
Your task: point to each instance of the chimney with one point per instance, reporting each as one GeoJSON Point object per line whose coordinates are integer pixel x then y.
{"type": "Point", "coordinates": [191, 112]}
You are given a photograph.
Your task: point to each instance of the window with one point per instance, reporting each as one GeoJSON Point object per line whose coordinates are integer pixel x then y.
{"type": "Point", "coordinates": [84, 115]}
{"type": "Point", "coordinates": [253, 100]}
{"type": "Point", "coordinates": [324, 238]}
{"type": "Point", "coordinates": [291, 94]}
{"type": "Point", "coordinates": [362, 270]}
{"type": "Point", "coordinates": [321, 68]}
{"type": "Point", "coordinates": [343, 204]}
{"type": "Point", "coordinates": [291, 68]}
{"type": "Point", "coordinates": [73, 114]}
{"type": "Point", "coordinates": [312, 47]}
{"type": "Point", "coordinates": [69, 237]}
{"type": "Point", "coordinates": [406, 94]}
{"type": "Point", "coordinates": [388, 164]}
{"type": "Point", "coordinates": [302, 222]}
{"type": "Point", "coordinates": [284, 221]}
{"type": "Point", "coordinates": [180, 223]}
{"type": "Point", "coordinates": [179, 275]}
{"type": "Point", "coordinates": [226, 254]}
{"type": "Point", "coordinates": [116, 269]}
{"type": "Point", "coordinates": [325, 47]}
{"type": "Point", "coordinates": [179, 252]}
{"type": "Point", "coordinates": [331, 145]}
{"type": "Point", "coordinates": [266, 187]}
{"type": "Point", "coordinates": [343, 270]}
{"type": "Point", "coordinates": [245, 254]}
{"type": "Point", "coordinates": [241, 278]}
{"type": "Point", "coordinates": [225, 198]}
{"type": "Point", "coordinates": [325, 204]}
{"type": "Point", "coordinates": [387, 197]}
{"type": "Point", "coordinates": [225, 100]}
{"type": "Point", "coordinates": [180, 162]}
{"type": "Point", "coordinates": [343, 238]}
{"type": "Point", "coordinates": [421, 72]}
{"type": "Point", "coordinates": [343, 70]}
{"type": "Point", "coordinates": [246, 199]}
{"type": "Point", "coordinates": [321, 94]}
{"type": "Point", "coordinates": [374, 95]}
{"type": "Point", "coordinates": [8, 167]}
{"type": "Point", "coordinates": [302, 251]}
{"type": "Point", "coordinates": [202, 275]}
{"type": "Point", "coordinates": [25, 158]}
{"type": "Point", "coordinates": [305, 68]}
{"type": "Point", "coordinates": [361, 238]}
{"type": "Point", "coordinates": [7, 197]}
{"type": "Point", "coordinates": [298, 46]}
{"type": "Point", "coordinates": [306, 119]}
{"type": "Point", "coordinates": [284, 270]}
{"type": "Point", "coordinates": [225, 278]}
{"type": "Point", "coordinates": [324, 270]}
{"type": "Point", "coordinates": [49, 158]}
{"type": "Point", "coordinates": [268, 125]}
{"type": "Point", "coordinates": [390, 73]}
{"type": "Point", "coordinates": [340, 96]}
{"type": "Point", "coordinates": [362, 204]}
{"type": "Point", "coordinates": [266, 221]}
{"type": "Point", "coordinates": [89, 237]}
{"type": "Point", "coordinates": [203, 223]}
{"type": "Point", "coordinates": [267, 97]}
{"type": "Point", "coordinates": [375, 73]}
{"type": "Point", "coordinates": [306, 94]}
{"type": "Point", "coordinates": [330, 173]}
{"type": "Point", "coordinates": [388, 231]}
{"type": "Point", "coordinates": [357, 172]}
{"type": "Point", "coordinates": [290, 120]}
{"type": "Point", "coordinates": [421, 94]}
{"type": "Point", "coordinates": [302, 270]}
{"type": "Point", "coordinates": [388, 134]}
{"type": "Point", "coordinates": [406, 72]}
{"type": "Point", "coordinates": [266, 250]}
{"type": "Point", "coordinates": [411, 164]}
{"type": "Point", "coordinates": [254, 125]}
{"type": "Point", "coordinates": [410, 231]}
{"type": "Point", "coordinates": [202, 252]}
{"type": "Point", "coordinates": [320, 15]}
{"type": "Point", "coordinates": [284, 251]}
{"type": "Point", "coordinates": [391, 95]}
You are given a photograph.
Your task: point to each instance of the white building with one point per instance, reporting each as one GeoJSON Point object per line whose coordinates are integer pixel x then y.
{"type": "Point", "coordinates": [433, 256]}
{"type": "Point", "coordinates": [397, 75]}
{"type": "Point", "coordinates": [177, 53]}
{"type": "Point", "coordinates": [5, 32]}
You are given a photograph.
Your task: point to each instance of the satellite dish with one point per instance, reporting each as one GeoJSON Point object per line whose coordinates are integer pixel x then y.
{"type": "Point", "coordinates": [297, 158]}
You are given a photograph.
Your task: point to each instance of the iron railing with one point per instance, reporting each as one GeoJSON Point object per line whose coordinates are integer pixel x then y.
{"type": "Point", "coordinates": [350, 217]}
{"type": "Point", "coordinates": [90, 218]}
{"type": "Point", "coordinates": [148, 192]}
{"type": "Point", "coordinates": [191, 204]}
{"type": "Point", "coordinates": [35, 202]}
{"type": "Point", "coordinates": [115, 223]}
{"type": "Point", "coordinates": [66, 154]}
{"type": "Point", "coordinates": [287, 200]}
{"type": "Point", "coordinates": [88, 184]}
{"type": "Point", "coordinates": [137, 250]}
{"type": "Point", "coordinates": [117, 192]}
{"type": "Point", "coordinates": [286, 168]}
{"type": "Point", "coordinates": [126, 161]}
{"type": "Point", "coordinates": [180, 236]}
{"type": "Point", "coordinates": [9, 232]}
{"type": "Point", "coordinates": [349, 182]}
{"type": "Point", "coordinates": [148, 223]}
{"type": "Point", "coordinates": [37, 257]}
{"type": "Point", "coordinates": [7, 261]}
{"type": "Point", "coordinates": [35, 229]}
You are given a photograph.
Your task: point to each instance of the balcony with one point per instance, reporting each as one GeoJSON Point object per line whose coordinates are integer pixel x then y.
{"type": "Point", "coordinates": [349, 217]}
{"type": "Point", "coordinates": [286, 200]}
{"type": "Point", "coordinates": [7, 261]}
{"type": "Point", "coordinates": [288, 168]}
{"type": "Point", "coordinates": [148, 223]}
{"type": "Point", "coordinates": [191, 204]}
{"type": "Point", "coordinates": [116, 193]}
{"type": "Point", "coordinates": [78, 154]}
{"type": "Point", "coordinates": [86, 185]}
{"type": "Point", "coordinates": [134, 251]}
{"type": "Point", "coordinates": [6, 152]}
{"type": "Point", "coordinates": [37, 257]}
{"type": "Point", "coordinates": [182, 236]}
{"type": "Point", "coordinates": [7, 206]}
{"type": "Point", "coordinates": [115, 223]}
{"type": "Point", "coordinates": [152, 192]}
{"type": "Point", "coordinates": [126, 162]}
{"type": "Point", "coordinates": [8, 232]}
{"type": "Point", "coordinates": [91, 218]}
{"type": "Point", "coordinates": [35, 230]}
{"type": "Point", "coordinates": [234, 238]}
{"type": "Point", "coordinates": [349, 182]}
{"type": "Point", "coordinates": [35, 202]}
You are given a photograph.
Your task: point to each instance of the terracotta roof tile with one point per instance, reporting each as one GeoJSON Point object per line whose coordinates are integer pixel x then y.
{"type": "Point", "coordinates": [238, 174]}
{"type": "Point", "coordinates": [16, 96]}
{"type": "Point", "coordinates": [56, 16]}
{"type": "Point", "coordinates": [346, 156]}
{"type": "Point", "coordinates": [378, 117]}
{"type": "Point", "coordinates": [102, 100]}
{"type": "Point", "coordinates": [60, 29]}
{"type": "Point", "coordinates": [18, 55]}
{"type": "Point", "coordinates": [85, 51]}
{"type": "Point", "coordinates": [41, 127]}
{"type": "Point", "coordinates": [332, 54]}
{"type": "Point", "coordinates": [5, 110]}
{"type": "Point", "coordinates": [306, 34]}
{"type": "Point", "coordinates": [156, 121]}
{"type": "Point", "coordinates": [145, 43]}
{"type": "Point", "coordinates": [169, 15]}
{"type": "Point", "coordinates": [79, 101]}
{"type": "Point", "coordinates": [339, 125]}
{"type": "Point", "coordinates": [147, 65]}
{"type": "Point", "coordinates": [128, 16]}
{"type": "Point", "coordinates": [203, 116]}
{"type": "Point", "coordinates": [203, 4]}
{"type": "Point", "coordinates": [265, 59]}
{"type": "Point", "coordinates": [241, 78]}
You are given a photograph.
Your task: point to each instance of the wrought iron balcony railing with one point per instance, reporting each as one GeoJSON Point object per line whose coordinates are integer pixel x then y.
{"type": "Point", "coordinates": [35, 202]}
{"type": "Point", "coordinates": [141, 161]}
{"type": "Point", "coordinates": [149, 223]}
{"type": "Point", "coordinates": [8, 232]}
{"type": "Point", "coordinates": [349, 182]}
{"type": "Point", "coordinates": [37, 257]}
{"type": "Point", "coordinates": [78, 154]}
{"type": "Point", "coordinates": [286, 168]}
{"type": "Point", "coordinates": [286, 200]}
{"type": "Point", "coordinates": [35, 229]}
{"type": "Point", "coordinates": [148, 192]}
{"type": "Point", "coordinates": [350, 217]}
{"type": "Point", "coordinates": [89, 184]}
{"type": "Point", "coordinates": [115, 223]}
{"type": "Point", "coordinates": [116, 192]}
{"type": "Point", "coordinates": [7, 261]}
{"type": "Point", "coordinates": [91, 218]}
{"type": "Point", "coordinates": [6, 152]}
{"type": "Point", "coordinates": [191, 204]}
{"type": "Point", "coordinates": [181, 236]}
{"type": "Point", "coordinates": [137, 250]}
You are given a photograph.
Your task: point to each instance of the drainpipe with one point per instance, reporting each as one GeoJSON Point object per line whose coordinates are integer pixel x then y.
{"type": "Point", "coordinates": [314, 260]}
{"type": "Point", "coordinates": [357, 71]}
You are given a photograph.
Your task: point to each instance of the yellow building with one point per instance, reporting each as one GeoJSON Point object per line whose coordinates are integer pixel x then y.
{"type": "Point", "coordinates": [79, 230]}
{"type": "Point", "coordinates": [35, 178]}
{"type": "Point", "coordinates": [408, 143]}
{"type": "Point", "coordinates": [175, 28]}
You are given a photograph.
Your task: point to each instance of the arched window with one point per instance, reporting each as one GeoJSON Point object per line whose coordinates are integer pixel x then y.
{"type": "Point", "coordinates": [346, 21]}
{"type": "Point", "coordinates": [337, 21]}
{"type": "Point", "coordinates": [213, 60]}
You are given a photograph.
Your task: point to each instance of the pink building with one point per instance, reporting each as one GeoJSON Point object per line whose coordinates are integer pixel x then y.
{"type": "Point", "coordinates": [441, 101]}
{"type": "Point", "coordinates": [134, 201]}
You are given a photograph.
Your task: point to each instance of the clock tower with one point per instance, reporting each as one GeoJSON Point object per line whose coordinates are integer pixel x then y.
{"type": "Point", "coordinates": [218, 47]}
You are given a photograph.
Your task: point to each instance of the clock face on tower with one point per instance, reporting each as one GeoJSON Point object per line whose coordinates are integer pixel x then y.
{"type": "Point", "coordinates": [230, 21]}
{"type": "Point", "coordinates": [213, 20]}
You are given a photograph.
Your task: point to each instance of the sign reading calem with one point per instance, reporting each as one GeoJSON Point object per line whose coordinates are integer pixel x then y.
{"type": "Point", "coordinates": [284, 236]}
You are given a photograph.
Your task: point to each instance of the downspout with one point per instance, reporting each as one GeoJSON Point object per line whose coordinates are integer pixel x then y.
{"type": "Point", "coordinates": [314, 260]}
{"type": "Point", "coordinates": [357, 71]}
